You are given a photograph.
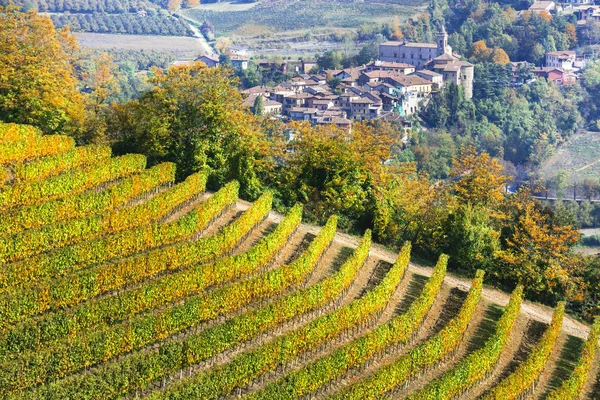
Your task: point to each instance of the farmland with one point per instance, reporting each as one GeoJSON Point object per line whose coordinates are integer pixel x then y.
{"type": "Point", "coordinates": [181, 47]}
{"type": "Point", "coordinates": [280, 24]}
{"type": "Point", "coordinates": [579, 156]}
{"type": "Point", "coordinates": [115, 282]}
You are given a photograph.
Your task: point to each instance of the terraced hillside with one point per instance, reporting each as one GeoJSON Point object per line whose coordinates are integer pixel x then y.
{"type": "Point", "coordinates": [117, 283]}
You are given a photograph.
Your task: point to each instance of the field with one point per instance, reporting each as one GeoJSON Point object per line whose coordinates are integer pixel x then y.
{"type": "Point", "coordinates": [115, 282]}
{"type": "Point", "coordinates": [580, 156]}
{"type": "Point", "coordinates": [226, 6]}
{"type": "Point", "coordinates": [281, 24]}
{"type": "Point", "coordinates": [182, 47]}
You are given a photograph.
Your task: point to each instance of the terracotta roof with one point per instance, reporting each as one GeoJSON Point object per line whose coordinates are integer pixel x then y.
{"type": "Point", "coordinates": [334, 120]}
{"type": "Point", "coordinates": [304, 110]}
{"type": "Point", "coordinates": [389, 64]}
{"type": "Point", "coordinates": [324, 102]}
{"type": "Point", "coordinates": [410, 80]}
{"type": "Point", "coordinates": [362, 100]}
{"type": "Point", "coordinates": [300, 96]}
{"type": "Point", "coordinates": [210, 57]}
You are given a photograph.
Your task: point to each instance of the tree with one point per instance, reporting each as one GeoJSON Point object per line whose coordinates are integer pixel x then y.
{"type": "Point", "coordinates": [499, 56]}
{"type": "Point", "coordinates": [480, 52]}
{"type": "Point", "coordinates": [397, 35]}
{"type": "Point", "coordinates": [37, 84]}
{"type": "Point", "coordinates": [561, 183]}
{"type": "Point", "coordinates": [259, 108]}
{"type": "Point", "coordinates": [471, 239]}
{"type": "Point", "coordinates": [193, 117]}
{"type": "Point", "coordinates": [536, 250]}
{"type": "Point", "coordinates": [478, 179]}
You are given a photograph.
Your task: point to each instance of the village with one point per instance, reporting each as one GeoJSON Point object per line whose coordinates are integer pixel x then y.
{"type": "Point", "coordinates": [400, 83]}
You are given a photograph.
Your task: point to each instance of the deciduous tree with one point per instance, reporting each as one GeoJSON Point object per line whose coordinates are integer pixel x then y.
{"type": "Point", "coordinates": [37, 84]}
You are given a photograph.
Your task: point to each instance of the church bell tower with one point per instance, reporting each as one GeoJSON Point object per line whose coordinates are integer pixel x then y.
{"type": "Point", "coordinates": [442, 42]}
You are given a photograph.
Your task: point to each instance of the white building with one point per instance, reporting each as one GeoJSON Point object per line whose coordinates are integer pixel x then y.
{"type": "Point", "coordinates": [417, 54]}
{"type": "Point", "coordinates": [561, 59]}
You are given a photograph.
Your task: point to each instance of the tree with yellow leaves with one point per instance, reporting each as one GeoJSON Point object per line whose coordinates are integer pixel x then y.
{"type": "Point", "coordinates": [499, 56]}
{"type": "Point", "coordinates": [477, 178]}
{"type": "Point", "coordinates": [37, 85]}
{"type": "Point", "coordinates": [536, 251]}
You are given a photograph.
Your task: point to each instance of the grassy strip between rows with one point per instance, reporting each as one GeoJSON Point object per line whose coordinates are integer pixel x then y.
{"type": "Point", "coordinates": [476, 365]}
{"type": "Point", "coordinates": [526, 374]}
{"type": "Point", "coordinates": [33, 147]}
{"type": "Point", "coordinates": [399, 330]}
{"type": "Point", "coordinates": [78, 256]}
{"type": "Point", "coordinates": [86, 284]}
{"type": "Point", "coordinates": [572, 387]}
{"type": "Point", "coordinates": [141, 368]}
{"type": "Point", "coordinates": [11, 132]}
{"type": "Point", "coordinates": [418, 358]}
{"type": "Point", "coordinates": [248, 366]}
{"type": "Point", "coordinates": [87, 203]}
{"type": "Point", "coordinates": [34, 241]}
{"type": "Point", "coordinates": [71, 182]}
{"type": "Point", "coordinates": [55, 164]}
{"type": "Point", "coordinates": [33, 333]}
{"type": "Point", "coordinates": [102, 344]}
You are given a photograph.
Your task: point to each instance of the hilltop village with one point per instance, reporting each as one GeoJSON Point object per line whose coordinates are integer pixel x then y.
{"type": "Point", "coordinates": [392, 88]}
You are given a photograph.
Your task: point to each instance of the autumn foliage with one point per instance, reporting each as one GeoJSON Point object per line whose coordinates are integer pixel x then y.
{"type": "Point", "coordinates": [37, 85]}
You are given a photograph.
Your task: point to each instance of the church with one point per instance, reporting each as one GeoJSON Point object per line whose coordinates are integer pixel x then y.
{"type": "Point", "coordinates": [417, 54]}
{"type": "Point", "coordinates": [437, 57]}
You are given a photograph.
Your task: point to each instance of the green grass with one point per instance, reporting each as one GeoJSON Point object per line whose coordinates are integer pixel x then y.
{"type": "Point", "coordinates": [279, 16]}
{"type": "Point", "coordinates": [580, 156]}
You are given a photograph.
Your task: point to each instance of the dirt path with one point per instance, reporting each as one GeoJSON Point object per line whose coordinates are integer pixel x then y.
{"type": "Point", "coordinates": [532, 310]}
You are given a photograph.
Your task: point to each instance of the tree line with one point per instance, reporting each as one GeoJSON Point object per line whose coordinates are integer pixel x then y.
{"type": "Point", "coordinates": [123, 23]}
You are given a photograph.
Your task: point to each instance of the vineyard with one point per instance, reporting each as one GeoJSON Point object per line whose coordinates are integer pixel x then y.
{"type": "Point", "coordinates": [118, 282]}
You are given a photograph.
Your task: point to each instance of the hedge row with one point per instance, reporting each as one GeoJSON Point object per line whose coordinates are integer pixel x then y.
{"type": "Point", "coordinates": [31, 147]}
{"type": "Point", "coordinates": [70, 183]}
{"type": "Point", "coordinates": [399, 330]}
{"type": "Point", "coordinates": [55, 164]}
{"type": "Point", "coordinates": [87, 203]}
{"type": "Point", "coordinates": [102, 278]}
{"type": "Point", "coordinates": [524, 377]}
{"type": "Point", "coordinates": [141, 368]}
{"type": "Point", "coordinates": [101, 344]}
{"type": "Point", "coordinates": [476, 365]}
{"type": "Point", "coordinates": [34, 241]}
{"type": "Point", "coordinates": [572, 386]}
{"type": "Point", "coordinates": [75, 257]}
{"type": "Point", "coordinates": [33, 333]}
{"type": "Point", "coordinates": [10, 132]}
{"type": "Point", "coordinates": [417, 359]}
{"type": "Point", "coordinates": [243, 369]}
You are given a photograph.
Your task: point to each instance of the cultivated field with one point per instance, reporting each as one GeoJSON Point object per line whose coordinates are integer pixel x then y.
{"type": "Point", "coordinates": [580, 156]}
{"type": "Point", "coordinates": [182, 47]}
{"type": "Point", "coordinates": [117, 283]}
{"type": "Point", "coordinates": [282, 24]}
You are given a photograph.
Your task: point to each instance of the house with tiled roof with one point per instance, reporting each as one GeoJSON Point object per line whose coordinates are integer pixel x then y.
{"type": "Point", "coordinates": [211, 61]}
{"type": "Point", "coordinates": [238, 61]}
{"type": "Point", "coordinates": [269, 106]}
{"type": "Point", "coordinates": [398, 67]}
{"type": "Point", "coordinates": [454, 71]}
{"type": "Point", "coordinates": [556, 76]}
{"type": "Point", "coordinates": [561, 59]}
{"type": "Point", "coordinates": [542, 6]}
